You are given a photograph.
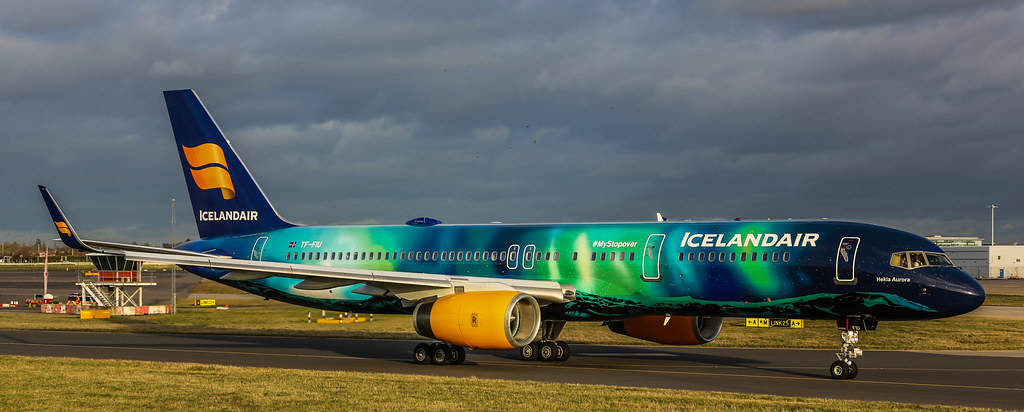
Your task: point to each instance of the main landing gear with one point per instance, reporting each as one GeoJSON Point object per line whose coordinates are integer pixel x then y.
{"type": "Point", "coordinates": [845, 367]}
{"type": "Point", "coordinates": [547, 348]}
{"type": "Point", "coordinates": [439, 354]}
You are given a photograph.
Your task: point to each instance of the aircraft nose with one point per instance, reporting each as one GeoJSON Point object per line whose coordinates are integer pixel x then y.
{"type": "Point", "coordinates": [963, 292]}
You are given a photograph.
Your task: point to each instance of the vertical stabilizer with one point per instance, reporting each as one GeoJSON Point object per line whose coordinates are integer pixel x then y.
{"type": "Point", "coordinates": [225, 198]}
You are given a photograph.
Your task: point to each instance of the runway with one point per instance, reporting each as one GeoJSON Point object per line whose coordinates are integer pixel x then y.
{"type": "Point", "coordinates": [975, 379]}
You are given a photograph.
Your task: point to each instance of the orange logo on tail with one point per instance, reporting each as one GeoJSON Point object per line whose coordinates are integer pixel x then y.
{"type": "Point", "coordinates": [215, 176]}
{"type": "Point", "coordinates": [63, 228]}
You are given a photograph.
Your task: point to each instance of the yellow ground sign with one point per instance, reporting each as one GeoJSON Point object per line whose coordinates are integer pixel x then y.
{"type": "Point", "coordinates": [204, 302]}
{"type": "Point", "coordinates": [775, 323]}
{"type": "Point", "coordinates": [95, 314]}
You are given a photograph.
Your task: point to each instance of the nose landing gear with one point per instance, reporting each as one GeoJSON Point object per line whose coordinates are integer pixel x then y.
{"type": "Point", "coordinates": [845, 367]}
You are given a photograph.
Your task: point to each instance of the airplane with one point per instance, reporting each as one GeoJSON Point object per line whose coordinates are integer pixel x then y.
{"type": "Point", "coordinates": [514, 286]}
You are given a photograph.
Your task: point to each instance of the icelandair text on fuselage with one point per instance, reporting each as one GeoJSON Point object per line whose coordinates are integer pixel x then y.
{"type": "Point", "coordinates": [208, 216]}
{"type": "Point", "coordinates": [749, 240]}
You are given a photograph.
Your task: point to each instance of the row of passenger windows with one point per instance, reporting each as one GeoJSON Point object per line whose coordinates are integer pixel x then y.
{"type": "Point", "coordinates": [487, 256]}
{"type": "Point", "coordinates": [721, 256]}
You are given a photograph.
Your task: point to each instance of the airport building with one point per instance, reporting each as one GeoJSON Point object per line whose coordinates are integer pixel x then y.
{"type": "Point", "coordinates": [980, 260]}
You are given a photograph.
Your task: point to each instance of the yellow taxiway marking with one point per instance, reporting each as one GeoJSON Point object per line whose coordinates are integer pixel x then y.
{"type": "Point", "coordinates": [533, 365]}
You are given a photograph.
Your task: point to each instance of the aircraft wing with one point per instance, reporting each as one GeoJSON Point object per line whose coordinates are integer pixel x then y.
{"type": "Point", "coordinates": [405, 285]}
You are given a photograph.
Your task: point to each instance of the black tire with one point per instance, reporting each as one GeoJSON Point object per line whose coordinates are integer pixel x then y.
{"type": "Point", "coordinates": [563, 353]}
{"type": "Point", "coordinates": [528, 352]}
{"type": "Point", "coordinates": [439, 354]}
{"type": "Point", "coordinates": [853, 371]}
{"type": "Point", "coordinates": [458, 355]}
{"type": "Point", "coordinates": [421, 354]}
{"type": "Point", "coordinates": [546, 351]}
{"type": "Point", "coordinates": [839, 370]}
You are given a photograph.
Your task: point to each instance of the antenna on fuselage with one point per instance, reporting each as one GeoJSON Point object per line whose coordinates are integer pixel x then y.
{"type": "Point", "coordinates": [660, 217]}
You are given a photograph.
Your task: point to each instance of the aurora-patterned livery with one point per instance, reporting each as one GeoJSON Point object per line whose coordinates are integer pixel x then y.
{"type": "Point", "coordinates": [629, 269]}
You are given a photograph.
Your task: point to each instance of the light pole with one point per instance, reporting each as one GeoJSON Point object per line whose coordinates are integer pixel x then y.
{"type": "Point", "coordinates": [174, 268]}
{"type": "Point", "coordinates": [993, 239]}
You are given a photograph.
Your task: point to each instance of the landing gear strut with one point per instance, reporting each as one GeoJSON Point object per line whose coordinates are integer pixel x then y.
{"type": "Point", "coordinates": [439, 354]}
{"type": "Point", "coordinates": [845, 367]}
{"type": "Point", "coordinates": [547, 348]}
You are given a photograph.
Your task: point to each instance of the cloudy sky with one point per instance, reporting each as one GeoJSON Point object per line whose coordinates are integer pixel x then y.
{"type": "Point", "coordinates": [908, 113]}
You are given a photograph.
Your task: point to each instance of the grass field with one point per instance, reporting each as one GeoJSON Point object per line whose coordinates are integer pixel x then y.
{"type": "Point", "coordinates": [959, 333]}
{"type": "Point", "coordinates": [30, 384]}
{"type": "Point", "coordinates": [1004, 300]}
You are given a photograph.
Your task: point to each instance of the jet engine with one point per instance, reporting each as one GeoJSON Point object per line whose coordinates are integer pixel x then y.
{"type": "Point", "coordinates": [678, 330]}
{"type": "Point", "coordinates": [480, 320]}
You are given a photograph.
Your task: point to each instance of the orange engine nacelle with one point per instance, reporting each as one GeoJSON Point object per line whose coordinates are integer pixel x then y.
{"type": "Point", "coordinates": [480, 320]}
{"type": "Point", "coordinates": [679, 330]}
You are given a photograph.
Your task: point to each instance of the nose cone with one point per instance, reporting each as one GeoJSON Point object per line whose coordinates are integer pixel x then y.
{"type": "Point", "coordinates": [962, 293]}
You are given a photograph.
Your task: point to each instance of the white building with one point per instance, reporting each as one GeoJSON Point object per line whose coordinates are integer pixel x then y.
{"type": "Point", "coordinates": [999, 261]}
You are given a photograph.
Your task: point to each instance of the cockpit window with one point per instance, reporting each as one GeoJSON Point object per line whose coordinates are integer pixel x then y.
{"type": "Point", "coordinates": [914, 260]}
{"type": "Point", "coordinates": [937, 259]}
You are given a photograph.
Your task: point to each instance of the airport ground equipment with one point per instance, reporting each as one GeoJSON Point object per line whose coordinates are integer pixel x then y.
{"type": "Point", "coordinates": [512, 286]}
{"type": "Point", "coordinates": [117, 281]}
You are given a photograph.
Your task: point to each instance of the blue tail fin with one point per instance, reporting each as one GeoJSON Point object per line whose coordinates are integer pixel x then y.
{"type": "Point", "coordinates": [225, 198]}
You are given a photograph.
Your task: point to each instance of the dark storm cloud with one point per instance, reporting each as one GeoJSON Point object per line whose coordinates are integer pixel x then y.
{"type": "Point", "coordinates": [901, 113]}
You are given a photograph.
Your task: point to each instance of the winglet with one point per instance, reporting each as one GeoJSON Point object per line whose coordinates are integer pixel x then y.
{"type": "Point", "coordinates": [64, 229]}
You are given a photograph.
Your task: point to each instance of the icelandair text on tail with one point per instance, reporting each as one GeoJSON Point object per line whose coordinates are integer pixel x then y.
{"type": "Point", "coordinates": [208, 216]}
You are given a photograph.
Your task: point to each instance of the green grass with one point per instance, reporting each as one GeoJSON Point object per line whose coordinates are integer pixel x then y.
{"type": "Point", "coordinates": [1004, 300]}
{"type": "Point", "coordinates": [959, 333]}
{"type": "Point", "coordinates": [57, 383]}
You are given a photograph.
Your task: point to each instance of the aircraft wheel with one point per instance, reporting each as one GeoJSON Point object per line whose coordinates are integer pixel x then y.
{"type": "Point", "coordinates": [421, 354]}
{"type": "Point", "coordinates": [563, 352]}
{"type": "Point", "coordinates": [547, 351]}
{"type": "Point", "coordinates": [839, 370]}
{"type": "Point", "coordinates": [528, 352]}
{"type": "Point", "coordinates": [457, 355]}
{"type": "Point", "coordinates": [853, 371]}
{"type": "Point", "coordinates": [440, 354]}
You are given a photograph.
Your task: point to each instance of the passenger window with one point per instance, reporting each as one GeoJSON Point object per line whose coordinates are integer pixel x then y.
{"type": "Point", "coordinates": [362, 255]}
{"type": "Point", "coordinates": [502, 256]}
{"type": "Point", "coordinates": [556, 256]}
{"type": "Point", "coordinates": [681, 254]}
{"type": "Point", "coordinates": [764, 257]}
{"type": "Point", "coordinates": [476, 256]}
{"type": "Point", "coordinates": [721, 256]}
{"type": "Point", "coordinates": [547, 255]}
{"type": "Point", "coordinates": [494, 255]}
{"type": "Point", "coordinates": [612, 258]}
{"type": "Point", "coordinates": [775, 257]}
{"type": "Point", "coordinates": [622, 255]}
{"type": "Point", "coordinates": [743, 257]}
{"type": "Point", "coordinates": [732, 256]}
{"type": "Point", "coordinates": [288, 256]}
{"type": "Point", "coordinates": [575, 255]}
{"type": "Point", "coordinates": [379, 254]}
{"type": "Point", "coordinates": [303, 255]}
{"type": "Point", "coordinates": [419, 255]}
{"type": "Point", "coordinates": [459, 256]}
{"type": "Point", "coordinates": [753, 256]}
{"type": "Point", "coordinates": [593, 256]}
{"type": "Point", "coordinates": [785, 257]}
{"type": "Point", "coordinates": [711, 256]}
{"type": "Point", "coordinates": [539, 255]}
{"type": "Point", "coordinates": [631, 254]}
{"type": "Point", "coordinates": [325, 255]}
{"type": "Point", "coordinates": [689, 257]}
{"type": "Point", "coordinates": [433, 256]}
{"type": "Point", "coordinates": [603, 255]}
